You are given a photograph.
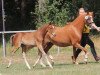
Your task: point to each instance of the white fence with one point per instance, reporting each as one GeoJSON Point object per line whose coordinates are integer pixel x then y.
{"type": "Point", "coordinates": [16, 31]}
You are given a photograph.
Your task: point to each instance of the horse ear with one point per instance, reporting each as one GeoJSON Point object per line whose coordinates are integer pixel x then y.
{"type": "Point", "coordinates": [90, 13]}
{"type": "Point", "coordinates": [50, 23]}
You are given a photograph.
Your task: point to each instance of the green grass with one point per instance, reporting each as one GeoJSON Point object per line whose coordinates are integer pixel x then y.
{"type": "Point", "coordinates": [63, 63]}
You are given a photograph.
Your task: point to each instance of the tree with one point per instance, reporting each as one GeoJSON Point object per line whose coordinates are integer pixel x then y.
{"type": "Point", "coordinates": [56, 11]}
{"type": "Point", "coordinates": [19, 14]}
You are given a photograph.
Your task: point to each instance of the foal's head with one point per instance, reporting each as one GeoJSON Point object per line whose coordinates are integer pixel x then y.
{"type": "Point", "coordinates": [47, 28]}
{"type": "Point", "coordinates": [51, 28]}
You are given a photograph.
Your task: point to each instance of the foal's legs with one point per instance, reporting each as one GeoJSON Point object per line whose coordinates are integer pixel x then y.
{"type": "Point", "coordinates": [24, 49]}
{"type": "Point", "coordinates": [27, 64]}
{"type": "Point", "coordinates": [13, 50]}
{"type": "Point", "coordinates": [82, 48]}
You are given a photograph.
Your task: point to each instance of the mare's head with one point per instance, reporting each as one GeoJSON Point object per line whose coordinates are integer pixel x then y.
{"type": "Point", "coordinates": [88, 15]}
{"type": "Point", "coordinates": [89, 18]}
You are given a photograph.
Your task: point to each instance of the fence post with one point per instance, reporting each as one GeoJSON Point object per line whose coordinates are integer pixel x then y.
{"type": "Point", "coordinates": [4, 45]}
{"type": "Point", "coordinates": [58, 50]}
{"type": "Point", "coordinates": [3, 36]}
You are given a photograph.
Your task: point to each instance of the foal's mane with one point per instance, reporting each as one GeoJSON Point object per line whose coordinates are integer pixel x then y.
{"type": "Point", "coordinates": [44, 27]}
{"type": "Point", "coordinates": [43, 30]}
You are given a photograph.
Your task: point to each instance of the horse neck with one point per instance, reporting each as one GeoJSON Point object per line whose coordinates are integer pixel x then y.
{"type": "Point", "coordinates": [79, 22]}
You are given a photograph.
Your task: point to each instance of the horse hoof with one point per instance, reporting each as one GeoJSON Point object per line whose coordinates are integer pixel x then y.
{"type": "Point", "coordinates": [29, 68]}
{"type": "Point", "coordinates": [76, 63]}
{"type": "Point", "coordinates": [43, 65]}
{"type": "Point", "coordinates": [52, 63]}
{"type": "Point", "coordinates": [33, 66]}
{"type": "Point", "coordinates": [7, 67]}
{"type": "Point", "coordinates": [51, 67]}
{"type": "Point", "coordinates": [85, 62]}
{"type": "Point", "coordinates": [73, 62]}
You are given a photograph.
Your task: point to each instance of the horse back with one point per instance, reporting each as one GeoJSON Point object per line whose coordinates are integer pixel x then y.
{"type": "Point", "coordinates": [65, 36]}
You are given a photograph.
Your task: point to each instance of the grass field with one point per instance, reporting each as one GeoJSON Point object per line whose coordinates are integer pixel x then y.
{"type": "Point", "coordinates": [62, 66]}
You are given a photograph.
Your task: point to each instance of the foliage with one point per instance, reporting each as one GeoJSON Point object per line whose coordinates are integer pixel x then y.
{"type": "Point", "coordinates": [55, 11]}
{"type": "Point", "coordinates": [29, 14]}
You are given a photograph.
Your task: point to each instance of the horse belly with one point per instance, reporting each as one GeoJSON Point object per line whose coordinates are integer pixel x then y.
{"type": "Point", "coordinates": [61, 38]}
{"type": "Point", "coordinates": [61, 42]}
{"type": "Point", "coordinates": [29, 42]}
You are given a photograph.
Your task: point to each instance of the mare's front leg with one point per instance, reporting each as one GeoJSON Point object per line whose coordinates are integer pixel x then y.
{"type": "Point", "coordinates": [24, 50]}
{"type": "Point", "coordinates": [82, 48]}
{"type": "Point", "coordinates": [73, 57]}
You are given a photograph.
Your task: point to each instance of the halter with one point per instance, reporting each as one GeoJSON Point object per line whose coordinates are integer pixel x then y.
{"type": "Point", "coordinates": [91, 22]}
{"type": "Point", "coordinates": [87, 17]}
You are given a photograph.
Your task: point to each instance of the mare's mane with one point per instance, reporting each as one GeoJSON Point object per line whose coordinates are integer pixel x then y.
{"type": "Point", "coordinates": [77, 20]}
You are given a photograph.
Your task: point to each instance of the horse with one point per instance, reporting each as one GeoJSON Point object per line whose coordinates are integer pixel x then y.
{"type": "Point", "coordinates": [27, 40]}
{"type": "Point", "coordinates": [69, 35]}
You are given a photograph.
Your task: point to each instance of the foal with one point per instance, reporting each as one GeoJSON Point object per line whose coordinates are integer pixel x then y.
{"type": "Point", "coordinates": [27, 40]}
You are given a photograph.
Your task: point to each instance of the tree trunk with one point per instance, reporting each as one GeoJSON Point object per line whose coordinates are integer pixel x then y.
{"type": "Point", "coordinates": [23, 13]}
{"type": "Point", "coordinates": [97, 12]}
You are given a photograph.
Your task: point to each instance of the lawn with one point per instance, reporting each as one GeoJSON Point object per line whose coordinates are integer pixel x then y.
{"type": "Point", "coordinates": [62, 66]}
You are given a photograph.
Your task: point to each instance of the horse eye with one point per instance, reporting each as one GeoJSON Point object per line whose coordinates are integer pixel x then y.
{"type": "Point", "coordinates": [86, 17]}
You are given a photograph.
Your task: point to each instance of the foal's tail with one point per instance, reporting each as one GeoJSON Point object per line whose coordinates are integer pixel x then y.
{"type": "Point", "coordinates": [11, 39]}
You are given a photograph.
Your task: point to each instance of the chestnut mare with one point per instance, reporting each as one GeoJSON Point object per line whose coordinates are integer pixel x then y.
{"type": "Point", "coordinates": [27, 40]}
{"type": "Point", "coordinates": [69, 35]}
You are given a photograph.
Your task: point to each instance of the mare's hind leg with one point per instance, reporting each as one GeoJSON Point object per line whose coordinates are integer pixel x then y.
{"type": "Point", "coordinates": [49, 45]}
{"type": "Point", "coordinates": [40, 46]}
{"type": "Point", "coordinates": [13, 50]}
{"type": "Point", "coordinates": [24, 49]}
{"type": "Point", "coordinates": [82, 48]}
{"type": "Point", "coordinates": [39, 59]}
{"type": "Point", "coordinates": [46, 49]}
{"type": "Point", "coordinates": [51, 57]}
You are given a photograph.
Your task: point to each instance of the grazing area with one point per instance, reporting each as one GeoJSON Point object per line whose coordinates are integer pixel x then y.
{"type": "Point", "coordinates": [62, 66]}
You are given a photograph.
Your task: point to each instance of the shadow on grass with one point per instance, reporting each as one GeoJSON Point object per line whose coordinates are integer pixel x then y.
{"type": "Point", "coordinates": [65, 65]}
{"type": "Point", "coordinates": [62, 64]}
{"type": "Point", "coordinates": [91, 62]}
